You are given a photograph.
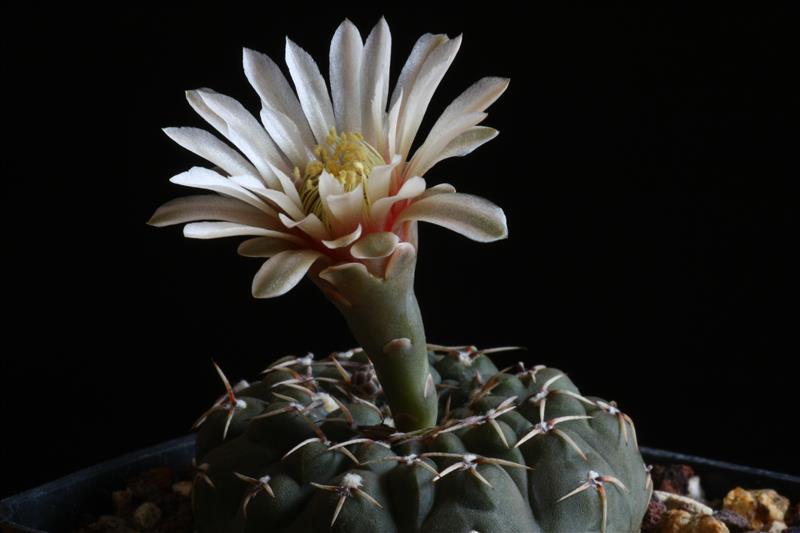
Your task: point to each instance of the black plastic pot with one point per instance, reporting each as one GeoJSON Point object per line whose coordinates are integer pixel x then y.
{"type": "Point", "coordinates": [59, 505]}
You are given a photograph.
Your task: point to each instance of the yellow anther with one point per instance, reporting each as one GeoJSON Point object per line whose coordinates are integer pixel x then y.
{"type": "Point", "coordinates": [346, 157]}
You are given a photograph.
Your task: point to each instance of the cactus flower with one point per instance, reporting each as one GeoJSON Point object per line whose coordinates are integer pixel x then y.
{"type": "Point", "coordinates": [325, 185]}
{"type": "Point", "coordinates": [330, 179]}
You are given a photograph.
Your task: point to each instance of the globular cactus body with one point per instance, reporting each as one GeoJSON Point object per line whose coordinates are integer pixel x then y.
{"type": "Point", "coordinates": [310, 448]}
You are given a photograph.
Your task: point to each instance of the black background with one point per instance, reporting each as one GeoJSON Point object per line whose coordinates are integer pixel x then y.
{"type": "Point", "coordinates": [643, 162]}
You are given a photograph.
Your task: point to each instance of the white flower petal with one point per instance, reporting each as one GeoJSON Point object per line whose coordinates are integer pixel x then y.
{"type": "Point", "coordinates": [345, 240]}
{"type": "Point", "coordinates": [462, 145]}
{"type": "Point", "coordinates": [380, 180]}
{"type": "Point", "coordinates": [476, 99]}
{"type": "Point", "coordinates": [210, 148]}
{"type": "Point", "coordinates": [471, 216]}
{"type": "Point", "coordinates": [265, 247]}
{"type": "Point", "coordinates": [410, 189]}
{"type": "Point", "coordinates": [210, 207]}
{"type": "Point", "coordinates": [200, 107]}
{"type": "Point", "coordinates": [420, 94]}
{"type": "Point", "coordinates": [441, 188]}
{"type": "Point", "coordinates": [272, 86]}
{"type": "Point", "coordinates": [422, 49]}
{"type": "Point", "coordinates": [239, 127]}
{"type": "Point", "coordinates": [390, 128]}
{"type": "Point", "coordinates": [311, 89]}
{"type": "Point", "coordinates": [311, 225]}
{"type": "Point", "coordinates": [282, 272]}
{"type": "Point", "coordinates": [375, 84]}
{"type": "Point", "coordinates": [328, 186]}
{"type": "Point", "coordinates": [286, 135]}
{"type": "Point", "coordinates": [453, 123]}
{"type": "Point", "coordinates": [288, 186]}
{"type": "Point", "coordinates": [276, 197]}
{"type": "Point", "coordinates": [346, 209]}
{"type": "Point", "coordinates": [345, 73]}
{"type": "Point", "coordinates": [218, 230]}
{"type": "Point", "coordinates": [203, 178]}
{"type": "Point", "coordinates": [434, 145]}
{"type": "Point", "coordinates": [375, 245]}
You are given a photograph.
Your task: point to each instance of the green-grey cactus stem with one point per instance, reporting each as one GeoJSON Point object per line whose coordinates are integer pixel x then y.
{"type": "Point", "coordinates": [385, 319]}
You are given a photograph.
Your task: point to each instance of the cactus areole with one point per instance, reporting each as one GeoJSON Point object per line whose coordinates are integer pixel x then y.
{"type": "Point", "coordinates": [398, 434]}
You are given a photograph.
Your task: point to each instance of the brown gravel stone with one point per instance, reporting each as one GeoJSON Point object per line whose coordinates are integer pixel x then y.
{"type": "Point", "coordinates": [655, 511]}
{"type": "Point", "coordinates": [736, 523]}
{"type": "Point", "coordinates": [679, 521]}
{"type": "Point", "coordinates": [146, 516]}
{"type": "Point", "coordinates": [762, 508]}
{"type": "Point", "coordinates": [672, 478]}
{"type": "Point", "coordinates": [184, 488]}
{"type": "Point", "coordinates": [121, 500]}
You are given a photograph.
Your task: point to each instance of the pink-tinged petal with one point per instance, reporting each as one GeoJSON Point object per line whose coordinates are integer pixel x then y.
{"type": "Point", "coordinates": [345, 240]}
{"type": "Point", "coordinates": [375, 246]}
{"type": "Point", "coordinates": [276, 197]}
{"type": "Point", "coordinates": [233, 121]}
{"type": "Point", "coordinates": [434, 145]}
{"type": "Point", "coordinates": [210, 207]}
{"type": "Point", "coordinates": [282, 272]}
{"type": "Point", "coordinates": [462, 145]}
{"type": "Point", "coordinates": [346, 208]}
{"type": "Point", "coordinates": [210, 148]}
{"type": "Point", "coordinates": [272, 86]}
{"type": "Point", "coordinates": [311, 225]}
{"type": "Point", "coordinates": [203, 178]}
{"type": "Point", "coordinates": [265, 247]}
{"type": "Point", "coordinates": [380, 180]}
{"type": "Point", "coordinates": [220, 230]}
{"type": "Point", "coordinates": [286, 135]}
{"type": "Point", "coordinates": [419, 94]}
{"type": "Point", "coordinates": [410, 189]}
{"type": "Point", "coordinates": [311, 89]}
{"type": "Point", "coordinates": [345, 73]}
{"type": "Point", "coordinates": [471, 216]}
{"type": "Point", "coordinates": [375, 84]}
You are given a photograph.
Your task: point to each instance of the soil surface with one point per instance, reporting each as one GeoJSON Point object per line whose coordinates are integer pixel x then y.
{"type": "Point", "coordinates": [155, 501]}
{"type": "Point", "coordinates": [679, 505]}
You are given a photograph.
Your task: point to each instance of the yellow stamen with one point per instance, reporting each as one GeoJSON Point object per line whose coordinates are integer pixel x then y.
{"type": "Point", "coordinates": [347, 157]}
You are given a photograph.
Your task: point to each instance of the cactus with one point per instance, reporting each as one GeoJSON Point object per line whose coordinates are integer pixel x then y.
{"type": "Point", "coordinates": [312, 447]}
{"type": "Point", "coordinates": [397, 435]}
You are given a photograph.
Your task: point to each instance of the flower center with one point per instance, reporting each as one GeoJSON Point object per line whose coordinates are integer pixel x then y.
{"type": "Point", "coordinates": [347, 157]}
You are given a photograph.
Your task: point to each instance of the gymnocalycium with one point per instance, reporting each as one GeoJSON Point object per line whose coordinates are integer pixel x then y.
{"type": "Point", "coordinates": [397, 434]}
